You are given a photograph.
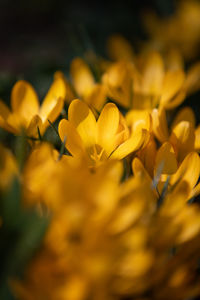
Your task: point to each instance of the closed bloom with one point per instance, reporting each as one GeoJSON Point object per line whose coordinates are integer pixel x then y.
{"type": "Point", "coordinates": [93, 93]}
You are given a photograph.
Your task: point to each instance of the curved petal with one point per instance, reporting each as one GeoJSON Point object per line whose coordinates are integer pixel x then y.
{"type": "Point", "coordinates": [192, 82]}
{"type": "Point", "coordinates": [107, 126]}
{"type": "Point", "coordinates": [73, 141]}
{"type": "Point", "coordinates": [32, 130]}
{"type": "Point", "coordinates": [134, 143]}
{"type": "Point", "coordinates": [24, 100]}
{"type": "Point", "coordinates": [52, 104]}
{"type": "Point", "coordinates": [139, 169]}
{"type": "Point", "coordinates": [197, 138]}
{"type": "Point", "coordinates": [84, 121]}
{"type": "Point", "coordinates": [172, 84]}
{"type": "Point", "coordinates": [119, 48]}
{"type": "Point", "coordinates": [53, 114]}
{"type": "Point", "coordinates": [185, 114]}
{"type": "Point", "coordinates": [183, 138]}
{"type": "Point", "coordinates": [139, 119]}
{"type": "Point", "coordinates": [188, 171]}
{"type": "Point", "coordinates": [4, 115]}
{"type": "Point", "coordinates": [166, 157]}
{"type": "Point", "coordinates": [97, 97]}
{"type": "Point", "coordinates": [148, 155]}
{"type": "Point", "coordinates": [195, 191]}
{"type": "Point", "coordinates": [153, 74]}
{"type": "Point", "coordinates": [69, 92]}
{"type": "Point", "coordinates": [118, 80]}
{"type": "Point", "coordinates": [176, 101]}
{"type": "Point", "coordinates": [8, 167]}
{"type": "Point", "coordinates": [160, 128]}
{"type": "Point", "coordinates": [82, 77]}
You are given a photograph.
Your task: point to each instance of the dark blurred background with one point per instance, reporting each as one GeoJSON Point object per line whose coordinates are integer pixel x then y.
{"type": "Point", "coordinates": [38, 37]}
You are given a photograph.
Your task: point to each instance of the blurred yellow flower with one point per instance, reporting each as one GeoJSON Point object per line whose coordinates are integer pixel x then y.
{"type": "Point", "coordinates": [94, 94]}
{"type": "Point", "coordinates": [8, 167]}
{"type": "Point", "coordinates": [26, 113]}
{"type": "Point", "coordinates": [166, 32]}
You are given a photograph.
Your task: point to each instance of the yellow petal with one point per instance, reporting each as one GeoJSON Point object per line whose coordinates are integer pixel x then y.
{"type": "Point", "coordinates": [172, 84]}
{"type": "Point", "coordinates": [188, 171]}
{"type": "Point", "coordinates": [130, 145]}
{"type": "Point", "coordinates": [32, 130]}
{"type": "Point", "coordinates": [138, 169]}
{"type": "Point", "coordinates": [107, 126]}
{"type": "Point", "coordinates": [8, 167]}
{"type": "Point", "coordinates": [153, 74]}
{"type": "Point", "coordinates": [176, 101]}
{"type": "Point", "coordinates": [119, 48]}
{"type": "Point", "coordinates": [195, 191]}
{"type": "Point", "coordinates": [174, 59]}
{"type": "Point", "coordinates": [73, 141]}
{"type": "Point", "coordinates": [182, 138]}
{"type": "Point", "coordinates": [160, 128]}
{"type": "Point", "coordinates": [4, 110]}
{"type": "Point", "coordinates": [176, 199]}
{"type": "Point", "coordinates": [119, 82]}
{"type": "Point", "coordinates": [166, 158]}
{"type": "Point", "coordinates": [192, 83]}
{"type": "Point", "coordinates": [4, 115]}
{"type": "Point", "coordinates": [148, 155]}
{"type": "Point", "coordinates": [139, 119]}
{"type": "Point", "coordinates": [185, 114]}
{"type": "Point", "coordinates": [24, 100]}
{"type": "Point", "coordinates": [82, 77]}
{"type": "Point", "coordinates": [84, 121]}
{"type": "Point", "coordinates": [69, 92]}
{"type": "Point", "coordinates": [97, 97]}
{"type": "Point", "coordinates": [197, 138]}
{"type": "Point", "coordinates": [137, 263]}
{"type": "Point", "coordinates": [188, 220]}
{"type": "Point", "coordinates": [52, 104]}
{"type": "Point", "coordinates": [53, 114]}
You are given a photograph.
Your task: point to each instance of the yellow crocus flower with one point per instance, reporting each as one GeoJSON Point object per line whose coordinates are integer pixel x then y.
{"type": "Point", "coordinates": [166, 32]}
{"type": "Point", "coordinates": [26, 112]}
{"type": "Point", "coordinates": [150, 80]}
{"type": "Point", "coordinates": [97, 141]}
{"type": "Point", "coordinates": [145, 86]}
{"type": "Point", "coordinates": [182, 134]}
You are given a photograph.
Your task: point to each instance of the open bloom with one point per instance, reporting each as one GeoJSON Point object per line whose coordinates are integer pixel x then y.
{"type": "Point", "coordinates": [150, 80]}
{"type": "Point", "coordinates": [167, 170]}
{"type": "Point", "coordinates": [146, 87]}
{"type": "Point", "coordinates": [106, 138]}
{"type": "Point", "coordinates": [26, 112]}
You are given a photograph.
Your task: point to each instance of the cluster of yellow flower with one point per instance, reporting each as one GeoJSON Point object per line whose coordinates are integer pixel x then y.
{"type": "Point", "coordinates": [124, 223]}
{"type": "Point", "coordinates": [180, 30]}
